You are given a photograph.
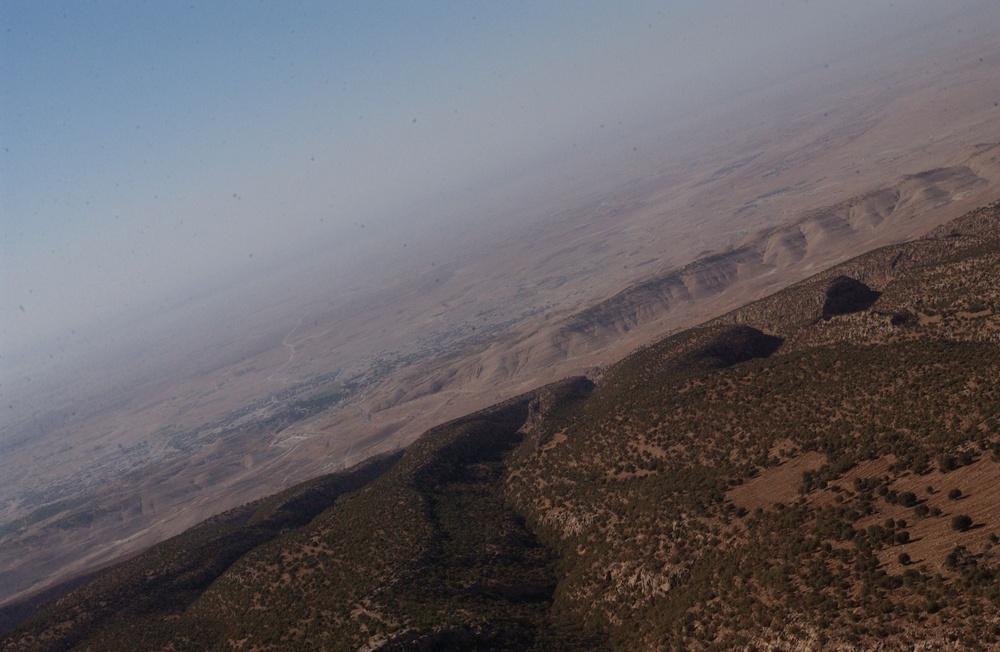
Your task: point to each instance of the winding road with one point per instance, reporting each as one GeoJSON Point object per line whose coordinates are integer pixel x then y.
{"type": "Point", "coordinates": [291, 349]}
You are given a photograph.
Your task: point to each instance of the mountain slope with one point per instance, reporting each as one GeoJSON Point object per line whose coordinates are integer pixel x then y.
{"type": "Point", "coordinates": [755, 266]}
{"type": "Point", "coordinates": [819, 469]}
{"type": "Point", "coordinates": [753, 503]}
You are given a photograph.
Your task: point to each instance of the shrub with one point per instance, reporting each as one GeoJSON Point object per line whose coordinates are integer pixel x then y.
{"type": "Point", "coordinates": [947, 463]}
{"type": "Point", "coordinates": [904, 558]}
{"type": "Point", "coordinates": [954, 494]}
{"type": "Point", "coordinates": [961, 522]}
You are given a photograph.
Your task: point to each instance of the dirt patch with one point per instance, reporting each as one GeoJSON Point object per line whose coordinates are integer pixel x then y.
{"type": "Point", "coordinates": [932, 537]}
{"type": "Point", "coordinates": [557, 439]}
{"type": "Point", "coordinates": [974, 315]}
{"type": "Point", "coordinates": [778, 484]}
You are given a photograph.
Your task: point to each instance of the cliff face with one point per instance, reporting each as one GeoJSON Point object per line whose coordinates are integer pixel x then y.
{"type": "Point", "coordinates": [793, 474]}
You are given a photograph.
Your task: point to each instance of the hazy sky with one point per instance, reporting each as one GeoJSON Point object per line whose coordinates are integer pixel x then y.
{"type": "Point", "coordinates": [147, 145]}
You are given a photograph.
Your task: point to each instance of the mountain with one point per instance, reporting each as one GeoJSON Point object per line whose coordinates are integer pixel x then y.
{"type": "Point", "coordinates": [817, 469]}
{"type": "Point", "coordinates": [118, 454]}
{"type": "Point", "coordinates": [708, 285]}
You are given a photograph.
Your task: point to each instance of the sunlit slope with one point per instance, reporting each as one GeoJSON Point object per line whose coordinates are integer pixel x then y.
{"type": "Point", "coordinates": [772, 501]}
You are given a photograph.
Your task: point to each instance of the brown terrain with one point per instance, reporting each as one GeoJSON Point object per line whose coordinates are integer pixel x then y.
{"type": "Point", "coordinates": [803, 176]}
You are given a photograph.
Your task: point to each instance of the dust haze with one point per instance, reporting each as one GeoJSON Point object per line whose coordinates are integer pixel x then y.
{"type": "Point", "coordinates": [428, 151]}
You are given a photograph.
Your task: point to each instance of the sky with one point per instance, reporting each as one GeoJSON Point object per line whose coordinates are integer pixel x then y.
{"type": "Point", "coordinates": [150, 147]}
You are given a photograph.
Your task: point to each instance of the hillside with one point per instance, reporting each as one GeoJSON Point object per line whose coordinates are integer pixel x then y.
{"type": "Point", "coordinates": [819, 468]}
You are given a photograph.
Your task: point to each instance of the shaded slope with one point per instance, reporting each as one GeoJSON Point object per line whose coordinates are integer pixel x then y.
{"type": "Point", "coordinates": [163, 581]}
{"type": "Point", "coordinates": [430, 554]}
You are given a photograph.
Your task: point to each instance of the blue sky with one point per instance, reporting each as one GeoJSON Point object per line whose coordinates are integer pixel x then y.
{"type": "Point", "coordinates": [115, 101]}
{"type": "Point", "coordinates": [147, 145]}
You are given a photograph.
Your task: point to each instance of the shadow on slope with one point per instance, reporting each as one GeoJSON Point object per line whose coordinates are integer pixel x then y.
{"type": "Point", "coordinates": [165, 579]}
{"type": "Point", "coordinates": [420, 550]}
{"type": "Point", "coordinates": [735, 345]}
{"type": "Point", "coordinates": [846, 295]}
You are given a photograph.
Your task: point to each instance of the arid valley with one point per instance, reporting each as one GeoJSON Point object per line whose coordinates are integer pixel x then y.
{"type": "Point", "coordinates": [261, 382]}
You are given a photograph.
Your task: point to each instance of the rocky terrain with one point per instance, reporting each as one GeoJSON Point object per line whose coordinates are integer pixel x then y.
{"type": "Point", "coordinates": [815, 469]}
